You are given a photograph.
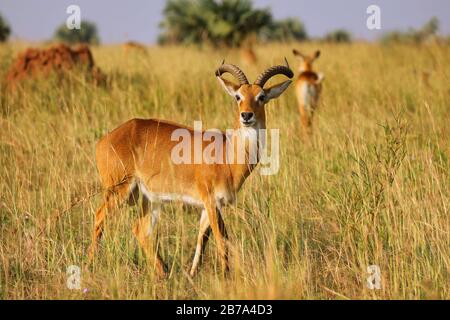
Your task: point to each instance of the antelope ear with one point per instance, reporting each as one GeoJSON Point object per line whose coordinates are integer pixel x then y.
{"type": "Point", "coordinates": [317, 54]}
{"type": "Point", "coordinates": [229, 86]}
{"type": "Point", "coordinates": [276, 90]}
{"type": "Point", "coordinates": [297, 53]}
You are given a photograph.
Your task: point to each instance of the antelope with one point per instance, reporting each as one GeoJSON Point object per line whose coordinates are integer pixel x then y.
{"type": "Point", "coordinates": [134, 46]}
{"type": "Point", "coordinates": [307, 88]}
{"type": "Point", "coordinates": [135, 159]}
{"type": "Point", "coordinates": [248, 55]}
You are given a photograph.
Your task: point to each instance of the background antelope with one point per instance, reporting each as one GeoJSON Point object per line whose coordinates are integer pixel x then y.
{"type": "Point", "coordinates": [131, 46]}
{"type": "Point", "coordinates": [248, 55]}
{"type": "Point", "coordinates": [307, 88]}
{"type": "Point", "coordinates": [136, 157]}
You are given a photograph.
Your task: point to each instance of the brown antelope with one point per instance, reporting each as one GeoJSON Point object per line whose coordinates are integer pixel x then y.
{"type": "Point", "coordinates": [307, 88]}
{"type": "Point", "coordinates": [248, 55]}
{"type": "Point", "coordinates": [130, 46]}
{"type": "Point", "coordinates": [136, 157]}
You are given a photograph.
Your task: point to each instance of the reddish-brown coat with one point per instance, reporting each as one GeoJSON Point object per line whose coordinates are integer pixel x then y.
{"type": "Point", "coordinates": [308, 88]}
{"type": "Point", "coordinates": [138, 153]}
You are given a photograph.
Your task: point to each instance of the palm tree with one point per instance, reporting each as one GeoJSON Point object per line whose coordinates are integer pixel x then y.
{"type": "Point", "coordinates": [220, 23]}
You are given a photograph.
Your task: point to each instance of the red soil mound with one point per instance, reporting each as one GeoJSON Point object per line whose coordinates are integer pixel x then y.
{"type": "Point", "coordinates": [60, 59]}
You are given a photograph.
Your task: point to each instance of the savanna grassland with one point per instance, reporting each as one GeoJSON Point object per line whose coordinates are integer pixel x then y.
{"type": "Point", "coordinates": [372, 187]}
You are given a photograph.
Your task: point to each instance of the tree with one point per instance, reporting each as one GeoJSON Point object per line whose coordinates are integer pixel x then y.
{"type": "Point", "coordinates": [428, 31]}
{"type": "Point", "coordinates": [431, 27]}
{"type": "Point", "coordinates": [413, 36]}
{"type": "Point", "coordinates": [86, 34]}
{"type": "Point", "coordinates": [223, 23]}
{"type": "Point", "coordinates": [5, 30]}
{"type": "Point", "coordinates": [290, 29]}
{"type": "Point", "coordinates": [338, 36]}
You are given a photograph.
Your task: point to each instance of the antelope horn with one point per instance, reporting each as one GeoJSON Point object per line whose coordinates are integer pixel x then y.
{"type": "Point", "coordinates": [273, 71]}
{"type": "Point", "coordinates": [234, 70]}
{"type": "Point", "coordinates": [286, 62]}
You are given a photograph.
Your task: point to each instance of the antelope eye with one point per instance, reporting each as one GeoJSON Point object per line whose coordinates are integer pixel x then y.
{"type": "Point", "coordinates": [237, 97]}
{"type": "Point", "coordinates": [261, 97]}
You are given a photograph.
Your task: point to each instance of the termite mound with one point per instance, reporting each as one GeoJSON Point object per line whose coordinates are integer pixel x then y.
{"type": "Point", "coordinates": [59, 59]}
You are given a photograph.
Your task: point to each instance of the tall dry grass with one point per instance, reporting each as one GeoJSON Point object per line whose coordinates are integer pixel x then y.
{"type": "Point", "coordinates": [371, 188]}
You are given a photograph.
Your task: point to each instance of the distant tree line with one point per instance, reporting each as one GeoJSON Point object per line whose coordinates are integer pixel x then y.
{"type": "Point", "coordinates": [412, 36]}
{"type": "Point", "coordinates": [86, 34]}
{"type": "Point", "coordinates": [428, 32]}
{"type": "Point", "coordinates": [5, 29]}
{"type": "Point", "coordinates": [338, 36]}
{"type": "Point", "coordinates": [232, 23]}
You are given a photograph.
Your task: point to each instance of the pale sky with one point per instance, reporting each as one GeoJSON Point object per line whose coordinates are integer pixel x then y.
{"type": "Point", "coordinates": [119, 20]}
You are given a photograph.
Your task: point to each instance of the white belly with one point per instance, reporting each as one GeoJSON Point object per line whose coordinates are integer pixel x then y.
{"type": "Point", "coordinates": [169, 197]}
